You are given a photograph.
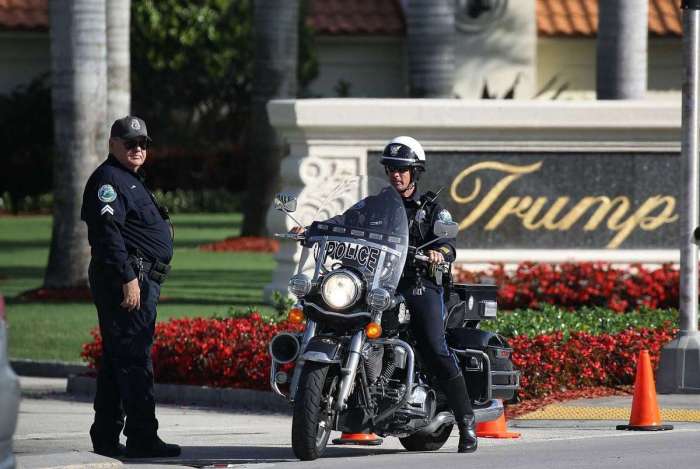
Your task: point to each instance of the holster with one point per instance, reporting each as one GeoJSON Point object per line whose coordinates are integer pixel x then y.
{"type": "Point", "coordinates": [156, 270]}
{"type": "Point", "coordinates": [159, 271]}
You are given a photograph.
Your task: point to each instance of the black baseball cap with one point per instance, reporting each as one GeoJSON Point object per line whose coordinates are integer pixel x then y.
{"type": "Point", "coordinates": [128, 128]}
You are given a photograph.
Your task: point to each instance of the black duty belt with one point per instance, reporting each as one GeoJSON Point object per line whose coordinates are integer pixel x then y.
{"type": "Point", "coordinates": [155, 270]}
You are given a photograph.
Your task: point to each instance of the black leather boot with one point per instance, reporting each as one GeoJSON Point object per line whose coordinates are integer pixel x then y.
{"type": "Point", "coordinates": [106, 443]}
{"type": "Point", "coordinates": [155, 448]}
{"type": "Point", "coordinates": [467, 434]}
{"type": "Point", "coordinates": [456, 391]}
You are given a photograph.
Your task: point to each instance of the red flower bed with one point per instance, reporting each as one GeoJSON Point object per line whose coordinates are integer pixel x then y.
{"type": "Point", "coordinates": [214, 352]}
{"type": "Point", "coordinates": [233, 353]}
{"type": "Point", "coordinates": [243, 243]}
{"type": "Point", "coordinates": [548, 364]}
{"type": "Point", "coordinates": [574, 285]}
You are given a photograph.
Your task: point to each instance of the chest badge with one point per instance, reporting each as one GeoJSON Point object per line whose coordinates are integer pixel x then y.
{"type": "Point", "coordinates": [106, 194]}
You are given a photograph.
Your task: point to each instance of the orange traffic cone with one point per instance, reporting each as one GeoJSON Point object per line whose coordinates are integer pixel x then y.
{"type": "Point", "coordinates": [645, 414]}
{"type": "Point", "coordinates": [366, 439]}
{"type": "Point", "coordinates": [495, 429]}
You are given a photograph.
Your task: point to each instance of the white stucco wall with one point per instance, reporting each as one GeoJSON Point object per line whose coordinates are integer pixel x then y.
{"type": "Point", "coordinates": [23, 56]}
{"type": "Point", "coordinates": [573, 61]}
{"type": "Point", "coordinates": [373, 66]}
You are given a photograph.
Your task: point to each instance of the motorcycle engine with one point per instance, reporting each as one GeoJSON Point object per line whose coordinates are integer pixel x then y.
{"type": "Point", "coordinates": [418, 410]}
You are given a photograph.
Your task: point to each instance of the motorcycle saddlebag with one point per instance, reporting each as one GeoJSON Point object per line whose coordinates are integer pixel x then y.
{"type": "Point", "coordinates": [484, 354]}
{"type": "Point", "coordinates": [470, 302]}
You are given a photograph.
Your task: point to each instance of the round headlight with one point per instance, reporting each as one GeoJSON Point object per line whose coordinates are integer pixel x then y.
{"type": "Point", "coordinates": [299, 285]}
{"type": "Point", "coordinates": [378, 299]}
{"type": "Point", "coordinates": [341, 289]}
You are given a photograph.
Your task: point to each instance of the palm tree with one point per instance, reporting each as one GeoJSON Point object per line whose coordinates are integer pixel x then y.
{"type": "Point", "coordinates": [430, 30]}
{"type": "Point", "coordinates": [275, 26]}
{"type": "Point", "coordinates": [118, 59]}
{"type": "Point", "coordinates": [621, 68]}
{"type": "Point", "coordinates": [78, 79]}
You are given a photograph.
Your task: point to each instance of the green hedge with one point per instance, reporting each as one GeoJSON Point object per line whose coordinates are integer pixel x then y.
{"type": "Point", "coordinates": [177, 201]}
{"type": "Point", "coordinates": [594, 321]}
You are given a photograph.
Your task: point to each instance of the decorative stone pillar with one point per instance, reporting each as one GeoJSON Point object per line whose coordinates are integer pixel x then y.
{"type": "Point", "coordinates": [304, 171]}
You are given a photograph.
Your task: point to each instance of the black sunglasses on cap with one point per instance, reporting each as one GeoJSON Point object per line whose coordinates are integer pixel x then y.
{"type": "Point", "coordinates": [133, 143]}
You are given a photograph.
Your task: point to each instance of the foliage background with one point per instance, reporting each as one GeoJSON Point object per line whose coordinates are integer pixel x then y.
{"type": "Point", "coordinates": [191, 73]}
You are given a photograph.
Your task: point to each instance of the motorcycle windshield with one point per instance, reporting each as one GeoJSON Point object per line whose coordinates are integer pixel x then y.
{"type": "Point", "coordinates": [360, 224]}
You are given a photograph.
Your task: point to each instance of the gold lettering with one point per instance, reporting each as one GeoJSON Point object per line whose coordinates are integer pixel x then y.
{"type": "Point", "coordinates": [513, 206]}
{"type": "Point", "coordinates": [547, 220]}
{"type": "Point", "coordinates": [605, 206]}
{"type": "Point", "coordinates": [611, 212]}
{"type": "Point", "coordinates": [514, 171]}
{"type": "Point", "coordinates": [666, 215]}
{"type": "Point", "coordinates": [626, 228]}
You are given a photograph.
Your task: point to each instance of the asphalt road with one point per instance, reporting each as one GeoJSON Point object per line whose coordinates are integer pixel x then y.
{"type": "Point", "coordinates": [54, 425]}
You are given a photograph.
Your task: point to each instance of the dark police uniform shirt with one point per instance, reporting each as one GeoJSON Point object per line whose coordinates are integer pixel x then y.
{"type": "Point", "coordinates": [420, 232]}
{"type": "Point", "coordinates": [122, 218]}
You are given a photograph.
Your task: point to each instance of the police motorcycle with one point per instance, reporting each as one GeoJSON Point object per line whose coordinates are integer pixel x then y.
{"type": "Point", "coordinates": [356, 368]}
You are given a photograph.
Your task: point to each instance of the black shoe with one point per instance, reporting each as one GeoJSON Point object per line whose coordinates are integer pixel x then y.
{"type": "Point", "coordinates": [157, 448]}
{"type": "Point", "coordinates": [109, 447]}
{"type": "Point", "coordinates": [467, 434]}
{"type": "Point", "coordinates": [111, 451]}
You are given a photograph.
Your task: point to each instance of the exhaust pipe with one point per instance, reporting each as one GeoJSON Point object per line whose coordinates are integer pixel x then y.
{"type": "Point", "coordinates": [284, 347]}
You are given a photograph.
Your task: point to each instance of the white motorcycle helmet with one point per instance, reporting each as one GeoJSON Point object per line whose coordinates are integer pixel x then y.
{"type": "Point", "coordinates": [404, 152]}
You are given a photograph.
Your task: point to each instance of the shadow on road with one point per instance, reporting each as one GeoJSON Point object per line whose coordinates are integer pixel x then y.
{"type": "Point", "coordinates": [200, 456]}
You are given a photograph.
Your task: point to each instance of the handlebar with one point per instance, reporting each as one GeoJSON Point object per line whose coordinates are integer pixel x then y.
{"type": "Point", "coordinates": [444, 266]}
{"type": "Point", "coordinates": [292, 236]}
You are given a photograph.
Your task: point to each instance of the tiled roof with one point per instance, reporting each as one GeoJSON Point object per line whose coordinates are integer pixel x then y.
{"type": "Point", "coordinates": [24, 14]}
{"type": "Point", "coordinates": [357, 17]}
{"type": "Point", "coordinates": [385, 17]}
{"type": "Point", "coordinates": [580, 17]}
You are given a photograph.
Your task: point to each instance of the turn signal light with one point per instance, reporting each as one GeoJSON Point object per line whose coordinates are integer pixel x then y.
{"type": "Point", "coordinates": [373, 330]}
{"type": "Point", "coordinates": [296, 315]}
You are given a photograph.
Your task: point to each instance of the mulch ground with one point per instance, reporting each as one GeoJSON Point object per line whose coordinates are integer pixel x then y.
{"type": "Point", "coordinates": [531, 405]}
{"type": "Point", "coordinates": [243, 243]}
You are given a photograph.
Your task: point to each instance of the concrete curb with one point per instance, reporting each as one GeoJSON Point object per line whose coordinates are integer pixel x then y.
{"type": "Point", "coordinates": [47, 369]}
{"type": "Point", "coordinates": [182, 394]}
{"type": "Point", "coordinates": [67, 460]}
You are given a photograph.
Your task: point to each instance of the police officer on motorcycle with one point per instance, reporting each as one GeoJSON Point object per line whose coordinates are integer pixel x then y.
{"type": "Point", "coordinates": [404, 161]}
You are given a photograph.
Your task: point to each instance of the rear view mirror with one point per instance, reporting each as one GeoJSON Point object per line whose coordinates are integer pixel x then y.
{"type": "Point", "coordinates": [285, 202]}
{"type": "Point", "coordinates": [445, 229]}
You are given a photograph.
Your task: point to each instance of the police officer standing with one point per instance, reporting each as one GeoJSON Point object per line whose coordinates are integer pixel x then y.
{"type": "Point", "coordinates": [404, 160]}
{"type": "Point", "coordinates": [131, 240]}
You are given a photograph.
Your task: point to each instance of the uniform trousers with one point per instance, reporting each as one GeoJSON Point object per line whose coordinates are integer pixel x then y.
{"type": "Point", "coordinates": [428, 327]}
{"type": "Point", "coordinates": [125, 376]}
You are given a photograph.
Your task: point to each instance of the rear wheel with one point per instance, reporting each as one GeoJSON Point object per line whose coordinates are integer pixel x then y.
{"type": "Point", "coordinates": [312, 418]}
{"type": "Point", "coordinates": [430, 442]}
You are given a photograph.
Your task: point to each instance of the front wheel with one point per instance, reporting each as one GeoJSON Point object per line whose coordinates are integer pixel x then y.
{"type": "Point", "coordinates": [311, 420]}
{"type": "Point", "coordinates": [430, 442]}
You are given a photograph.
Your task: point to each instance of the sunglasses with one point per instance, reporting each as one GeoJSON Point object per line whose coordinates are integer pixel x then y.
{"type": "Point", "coordinates": [131, 144]}
{"type": "Point", "coordinates": [394, 169]}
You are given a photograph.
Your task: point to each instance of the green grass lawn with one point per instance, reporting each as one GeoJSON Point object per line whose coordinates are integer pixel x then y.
{"type": "Point", "coordinates": [201, 283]}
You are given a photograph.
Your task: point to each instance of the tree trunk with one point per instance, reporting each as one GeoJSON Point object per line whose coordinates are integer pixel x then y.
{"type": "Point", "coordinates": [621, 65]}
{"type": "Point", "coordinates": [118, 60]}
{"type": "Point", "coordinates": [430, 30]}
{"type": "Point", "coordinates": [78, 75]}
{"type": "Point", "coordinates": [274, 77]}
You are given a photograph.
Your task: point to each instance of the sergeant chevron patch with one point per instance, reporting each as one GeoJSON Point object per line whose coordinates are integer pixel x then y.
{"type": "Point", "coordinates": [107, 209]}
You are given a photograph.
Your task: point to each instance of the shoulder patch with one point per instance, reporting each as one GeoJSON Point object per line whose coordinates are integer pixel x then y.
{"type": "Point", "coordinates": [444, 215]}
{"type": "Point", "coordinates": [106, 194]}
{"type": "Point", "coordinates": [359, 205]}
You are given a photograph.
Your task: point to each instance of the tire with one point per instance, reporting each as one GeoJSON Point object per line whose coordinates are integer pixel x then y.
{"type": "Point", "coordinates": [311, 422]}
{"type": "Point", "coordinates": [430, 442]}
